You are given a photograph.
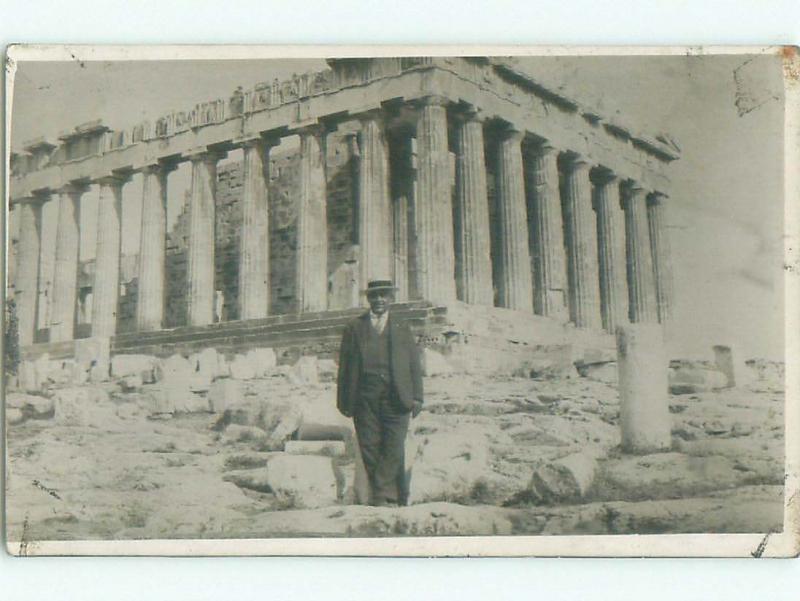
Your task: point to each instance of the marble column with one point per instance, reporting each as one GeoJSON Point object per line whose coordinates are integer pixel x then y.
{"type": "Point", "coordinates": [152, 249]}
{"type": "Point", "coordinates": [473, 241]}
{"type": "Point", "coordinates": [610, 250]}
{"type": "Point", "coordinates": [549, 258]}
{"type": "Point", "coordinates": [254, 242]}
{"type": "Point", "coordinates": [374, 206]}
{"type": "Point", "coordinates": [581, 244]}
{"type": "Point", "coordinates": [661, 254]}
{"type": "Point", "coordinates": [433, 213]}
{"type": "Point", "coordinates": [514, 278]}
{"type": "Point", "coordinates": [105, 291]}
{"type": "Point", "coordinates": [202, 218]}
{"type": "Point", "coordinates": [312, 224]}
{"type": "Point", "coordinates": [26, 280]}
{"type": "Point", "coordinates": [65, 280]}
{"type": "Point", "coordinates": [400, 235]}
{"type": "Point", "coordinates": [639, 263]}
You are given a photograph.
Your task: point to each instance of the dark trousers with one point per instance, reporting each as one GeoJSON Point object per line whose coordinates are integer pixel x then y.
{"type": "Point", "coordinates": [381, 427]}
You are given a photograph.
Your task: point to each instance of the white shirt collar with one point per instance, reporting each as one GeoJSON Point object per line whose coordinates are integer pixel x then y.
{"type": "Point", "coordinates": [378, 322]}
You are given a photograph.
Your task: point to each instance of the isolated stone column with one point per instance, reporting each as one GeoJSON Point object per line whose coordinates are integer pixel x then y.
{"type": "Point", "coordinates": [65, 280]}
{"type": "Point", "coordinates": [202, 218]}
{"type": "Point", "coordinates": [26, 281]}
{"type": "Point", "coordinates": [662, 256]}
{"type": "Point", "coordinates": [610, 250]}
{"type": "Point", "coordinates": [433, 214]}
{"type": "Point", "coordinates": [644, 405]}
{"type": "Point", "coordinates": [105, 291]}
{"type": "Point", "coordinates": [472, 243]}
{"type": "Point", "coordinates": [549, 259]}
{"type": "Point", "coordinates": [312, 224]}
{"type": "Point", "coordinates": [514, 277]}
{"type": "Point", "coordinates": [581, 244]}
{"type": "Point", "coordinates": [639, 263]}
{"type": "Point", "coordinates": [152, 249]}
{"type": "Point", "coordinates": [254, 275]}
{"type": "Point", "coordinates": [723, 360]}
{"type": "Point", "coordinates": [374, 205]}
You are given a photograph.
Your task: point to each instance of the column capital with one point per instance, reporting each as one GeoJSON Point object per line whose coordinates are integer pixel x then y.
{"type": "Point", "coordinates": [73, 188]}
{"type": "Point", "coordinates": [372, 114]}
{"type": "Point", "coordinates": [576, 162]}
{"type": "Point", "coordinates": [657, 199]}
{"type": "Point", "coordinates": [314, 128]}
{"type": "Point", "coordinates": [469, 115]}
{"type": "Point", "coordinates": [433, 100]}
{"type": "Point", "coordinates": [204, 155]}
{"type": "Point", "coordinates": [511, 134]}
{"type": "Point", "coordinates": [256, 140]}
{"type": "Point", "coordinates": [603, 176]}
{"type": "Point", "coordinates": [632, 190]}
{"type": "Point", "coordinates": [115, 180]}
{"type": "Point", "coordinates": [546, 148]}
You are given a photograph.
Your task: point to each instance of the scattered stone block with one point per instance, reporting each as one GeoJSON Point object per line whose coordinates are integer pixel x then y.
{"type": "Point", "coordinates": [86, 406]}
{"type": "Point", "coordinates": [565, 479]}
{"type": "Point", "coordinates": [723, 360]}
{"type": "Point", "coordinates": [605, 372]}
{"type": "Point", "coordinates": [93, 355]}
{"type": "Point", "coordinates": [239, 433]}
{"type": "Point", "coordinates": [143, 366]}
{"type": "Point", "coordinates": [304, 371]}
{"type": "Point", "coordinates": [32, 406]}
{"type": "Point", "coordinates": [241, 368]}
{"type": "Point", "coordinates": [131, 383]}
{"type": "Point", "coordinates": [27, 379]}
{"type": "Point", "coordinates": [328, 448]}
{"type": "Point", "coordinates": [175, 367]}
{"type": "Point", "coordinates": [251, 479]}
{"type": "Point", "coordinates": [692, 378]}
{"type": "Point", "coordinates": [224, 394]}
{"type": "Point", "coordinates": [262, 361]}
{"type": "Point", "coordinates": [174, 396]}
{"type": "Point", "coordinates": [14, 416]}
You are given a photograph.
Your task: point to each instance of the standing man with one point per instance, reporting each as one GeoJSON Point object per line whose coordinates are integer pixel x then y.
{"type": "Point", "coordinates": [380, 387]}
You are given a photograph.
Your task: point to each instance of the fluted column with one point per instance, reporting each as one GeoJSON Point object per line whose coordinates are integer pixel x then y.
{"type": "Point", "coordinates": [472, 243]}
{"type": "Point", "coordinates": [65, 280]}
{"type": "Point", "coordinates": [254, 273]}
{"type": "Point", "coordinates": [610, 250]}
{"type": "Point", "coordinates": [312, 224]}
{"type": "Point", "coordinates": [374, 207]}
{"type": "Point", "coordinates": [202, 217]}
{"type": "Point", "coordinates": [514, 277]}
{"type": "Point", "coordinates": [549, 258]}
{"type": "Point", "coordinates": [581, 244]}
{"type": "Point", "coordinates": [400, 225]}
{"type": "Point", "coordinates": [661, 253]}
{"type": "Point", "coordinates": [433, 210]}
{"type": "Point", "coordinates": [26, 281]}
{"type": "Point", "coordinates": [639, 263]}
{"type": "Point", "coordinates": [152, 249]}
{"type": "Point", "coordinates": [105, 291]}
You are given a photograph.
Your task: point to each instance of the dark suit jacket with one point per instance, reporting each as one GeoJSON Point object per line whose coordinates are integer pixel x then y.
{"type": "Point", "coordinates": [404, 362]}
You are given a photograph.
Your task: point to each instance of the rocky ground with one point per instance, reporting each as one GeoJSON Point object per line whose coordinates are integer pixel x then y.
{"type": "Point", "coordinates": [206, 449]}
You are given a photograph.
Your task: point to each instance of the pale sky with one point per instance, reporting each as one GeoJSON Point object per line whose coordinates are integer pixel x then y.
{"type": "Point", "coordinates": [726, 219]}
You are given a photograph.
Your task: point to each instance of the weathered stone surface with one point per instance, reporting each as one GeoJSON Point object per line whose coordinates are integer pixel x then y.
{"type": "Point", "coordinates": [131, 383]}
{"type": "Point", "coordinates": [320, 420]}
{"type": "Point", "coordinates": [328, 448]}
{"type": "Point", "coordinates": [302, 481]}
{"type": "Point", "coordinates": [666, 475]}
{"type": "Point", "coordinates": [86, 406]}
{"type": "Point", "coordinates": [174, 396]}
{"type": "Point", "coordinates": [251, 479]}
{"type": "Point", "coordinates": [240, 433]}
{"type": "Point", "coordinates": [278, 419]}
{"type": "Point", "coordinates": [175, 366]}
{"type": "Point", "coordinates": [262, 360]}
{"type": "Point", "coordinates": [134, 365]}
{"type": "Point", "coordinates": [210, 364]}
{"type": "Point", "coordinates": [688, 378]}
{"type": "Point", "coordinates": [434, 363]}
{"type": "Point", "coordinates": [225, 394]}
{"type": "Point", "coordinates": [27, 379]}
{"type": "Point", "coordinates": [241, 368]}
{"type": "Point", "coordinates": [605, 371]}
{"type": "Point", "coordinates": [327, 370]}
{"type": "Point", "coordinates": [304, 371]}
{"type": "Point", "coordinates": [565, 479]}
{"type": "Point", "coordinates": [14, 416]}
{"type": "Point", "coordinates": [769, 375]}
{"type": "Point", "coordinates": [93, 351]}
{"type": "Point", "coordinates": [32, 406]}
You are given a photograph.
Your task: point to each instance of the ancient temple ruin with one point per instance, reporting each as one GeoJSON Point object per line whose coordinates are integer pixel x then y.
{"type": "Point", "coordinates": [465, 180]}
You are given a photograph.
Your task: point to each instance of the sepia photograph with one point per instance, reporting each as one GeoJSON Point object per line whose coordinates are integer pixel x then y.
{"type": "Point", "coordinates": [337, 301]}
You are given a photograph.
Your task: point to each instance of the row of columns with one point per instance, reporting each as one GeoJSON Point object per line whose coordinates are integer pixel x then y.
{"type": "Point", "coordinates": [552, 254]}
